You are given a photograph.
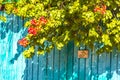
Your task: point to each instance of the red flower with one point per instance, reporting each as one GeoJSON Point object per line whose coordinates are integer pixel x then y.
{"type": "Point", "coordinates": [101, 9]}
{"type": "Point", "coordinates": [104, 7]}
{"type": "Point", "coordinates": [97, 9]}
{"type": "Point", "coordinates": [23, 42]}
{"type": "Point", "coordinates": [34, 22]}
{"type": "Point", "coordinates": [32, 30]}
{"type": "Point", "coordinates": [43, 20]}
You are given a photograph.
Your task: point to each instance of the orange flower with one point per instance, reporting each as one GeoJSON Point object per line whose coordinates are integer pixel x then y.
{"type": "Point", "coordinates": [97, 9]}
{"type": "Point", "coordinates": [34, 22]}
{"type": "Point", "coordinates": [32, 30]}
{"type": "Point", "coordinates": [23, 42]}
{"type": "Point", "coordinates": [43, 20]}
{"type": "Point", "coordinates": [104, 7]}
{"type": "Point", "coordinates": [101, 9]}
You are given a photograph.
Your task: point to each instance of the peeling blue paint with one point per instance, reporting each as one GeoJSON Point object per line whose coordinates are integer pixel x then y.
{"type": "Point", "coordinates": [8, 48]}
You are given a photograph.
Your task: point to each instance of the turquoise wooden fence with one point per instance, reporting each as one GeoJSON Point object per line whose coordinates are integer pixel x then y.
{"type": "Point", "coordinates": [56, 65]}
{"type": "Point", "coordinates": [64, 65]}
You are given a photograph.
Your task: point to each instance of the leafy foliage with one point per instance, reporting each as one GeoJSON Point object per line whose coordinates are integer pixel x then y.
{"type": "Point", "coordinates": [59, 21]}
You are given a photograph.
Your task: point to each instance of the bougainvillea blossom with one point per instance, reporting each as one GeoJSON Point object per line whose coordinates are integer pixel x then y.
{"type": "Point", "coordinates": [101, 9]}
{"type": "Point", "coordinates": [34, 22]}
{"type": "Point", "coordinates": [23, 42]}
{"type": "Point", "coordinates": [97, 9]}
{"type": "Point", "coordinates": [32, 30]}
{"type": "Point", "coordinates": [43, 20]}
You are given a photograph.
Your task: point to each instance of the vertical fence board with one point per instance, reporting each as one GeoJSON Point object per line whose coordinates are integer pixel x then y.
{"type": "Point", "coordinates": [26, 70]}
{"type": "Point", "coordinates": [56, 65]}
{"type": "Point", "coordinates": [63, 54]}
{"type": "Point", "coordinates": [75, 66]}
{"type": "Point", "coordinates": [38, 67]}
{"type": "Point", "coordinates": [14, 30]}
{"type": "Point", "coordinates": [82, 69]}
{"type": "Point", "coordinates": [94, 66]}
{"type": "Point", "coordinates": [88, 67]}
{"type": "Point", "coordinates": [118, 63]}
{"type": "Point", "coordinates": [91, 56]}
{"type": "Point", "coordinates": [42, 65]}
{"type": "Point", "coordinates": [50, 65]}
{"type": "Point", "coordinates": [102, 66]}
{"type": "Point", "coordinates": [35, 64]}
{"type": "Point", "coordinates": [70, 50]}
{"type": "Point", "coordinates": [30, 69]}
{"type": "Point", "coordinates": [108, 65]}
{"type": "Point", "coordinates": [45, 67]}
{"type": "Point", "coordinates": [114, 64]}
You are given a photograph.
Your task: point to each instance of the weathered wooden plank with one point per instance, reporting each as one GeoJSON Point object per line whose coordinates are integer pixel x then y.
{"type": "Point", "coordinates": [70, 60]}
{"type": "Point", "coordinates": [102, 66]}
{"type": "Point", "coordinates": [82, 69]}
{"type": "Point", "coordinates": [56, 64]}
{"type": "Point", "coordinates": [38, 67]}
{"type": "Point", "coordinates": [20, 49]}
{"type": "Point", "coordinates": [25, 77]}
{"type": "Point", "coordinates": [42, 67]}
{"type": "Point", "coordinates": [75, 65]}
{"type": "Point", "coordinates": [14, 40]}
{"type": "Point", "coordinates": [63, 62]}
{"type": "Point", "coordinates": [7, 45]}
{"type": "Point", "coordinates": [91, 56]}
{"type": "Point", "coordinates": [108, 65]}
{"type": "Point", "coordinates": [34, 67]}
{"type": "Point", "coordinates": [21, 31]}
{"type": "Point", "coordinates": [94, 70]}
{"type": "Point", "coordinates": [50, 67]}
{"type": "Point", "coordinates": [88, 66]}
{"type": "Point", "coordinates": [114, 62]}
{"type": "Point", "coordinates": [118, 63]}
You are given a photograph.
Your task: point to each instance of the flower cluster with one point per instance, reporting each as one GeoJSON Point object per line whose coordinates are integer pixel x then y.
{"type": "Point", "coordinates": [23, 42]}
{"type": "Point", "coordinates": [101, 9]}
{"type": "Point", "coordinates": [41, 21]}
{"type": "Point", "coordinates": [33, 29]}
